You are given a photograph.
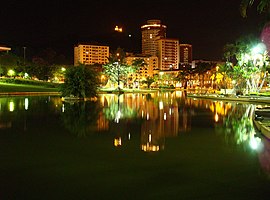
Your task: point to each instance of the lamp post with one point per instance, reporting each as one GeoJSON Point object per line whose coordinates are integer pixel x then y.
{"type": "Point", "coordinates": [118, 72]}
{"type": "Point", "coordinates": [24, 49]}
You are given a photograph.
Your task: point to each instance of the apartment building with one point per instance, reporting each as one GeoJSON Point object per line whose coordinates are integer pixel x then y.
{"type": "Point", "coordinates": [89, 54]}
{"type": "Point", "coordinates": [168, 50]}
{"type": "Point", "coordinates": [151, 64]}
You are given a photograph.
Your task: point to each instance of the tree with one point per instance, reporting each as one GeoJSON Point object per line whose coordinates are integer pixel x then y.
{"type": "Point", "coordinates": [80, 82]}
{"type": "Point", "coordinates": [184, 75]}
{"type": "Point", "coordinates": [201, 68]}
{"type": "Point", "coordinates": [262, 6]}
{"type": "Point", "coordinates": [117, 69]}
{"type": "Point", "coordinates": [9, 61]}
{"type": "Point", "coordinates": [137, 65]}
{"type": "Point", "coordinates": [149, 80]}
{"type": "Point", "coordinates": [249, 62]}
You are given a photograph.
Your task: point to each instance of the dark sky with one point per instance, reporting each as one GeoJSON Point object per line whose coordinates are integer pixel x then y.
{"type": "Point", "coordinates": [208, 25]}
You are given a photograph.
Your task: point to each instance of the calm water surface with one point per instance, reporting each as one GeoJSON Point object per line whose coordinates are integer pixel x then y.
{"type": "Point", "coordinates": [131, 146]}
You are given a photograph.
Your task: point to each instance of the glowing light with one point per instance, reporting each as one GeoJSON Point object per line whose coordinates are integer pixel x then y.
{"type": "Point", "coordinates": [255, 143]}
{"type": "Point", "coordinates": [129, 136]}
{"type": "Point", "coordinates": [11, 72]}
{"type": "Point", "coordinates": [153, 26]}
{"type": "Point", "coordinates": [150, 138]}
{"type": "Point", "coordinates": [118, 29]}
{"type": "Point", "coordinates": [26, 103]}
{"type": "Point", "coordinates": [117, 117]}
{"type": "Point", "coordinates": [11, 106]}
{"type": "Point", "coordinates": [259, 49]}
{"type": "Point", "coordinates": [63, 69]}
{"type": "Point", "coordinates": [150, 147]}
{"type": "Point", "coordinates": [160, 105]}
{"type": "Point", "coordinates": [216, 117]}
{"type": "Point", "coordinates": [165, 116]}
{"type": "Point", "coordinates": [63, 108]}
{"type": "Point", "coordinates": [117, 141]}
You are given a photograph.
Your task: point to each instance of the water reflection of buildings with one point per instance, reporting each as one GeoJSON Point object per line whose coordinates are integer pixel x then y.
{"type": "Point", "coordinates": [158, 113]}
{"type": "Point", "coordinates": [161, 115]}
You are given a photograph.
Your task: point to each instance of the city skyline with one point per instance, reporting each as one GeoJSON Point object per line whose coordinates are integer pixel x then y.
{"type": "Point", "coordinates": [207, 26]}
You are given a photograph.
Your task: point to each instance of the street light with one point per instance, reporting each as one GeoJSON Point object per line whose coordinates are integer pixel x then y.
{"type": "Point", "coordinates": [24, 48]}
{"type": "Point", "coordinates": [118, 72]}
{"type": "Point", "coordinates": [258, 54]}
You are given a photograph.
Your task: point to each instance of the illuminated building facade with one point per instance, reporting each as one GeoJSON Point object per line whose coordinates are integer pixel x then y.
{"type": "Point", "coordinates": [185, 53]}
{"type": "Point", "coordinates": [150, 67]}
{"type": "Point", "coordinates": [151, 33]}
{"type": "Point", "coordinates": [89, 54]}
{"type": "Point", "coordinates": [168, 54]}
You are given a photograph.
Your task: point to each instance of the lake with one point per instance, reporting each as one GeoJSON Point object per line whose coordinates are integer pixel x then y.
{"type": "Point", "coordinates": [160, 145]}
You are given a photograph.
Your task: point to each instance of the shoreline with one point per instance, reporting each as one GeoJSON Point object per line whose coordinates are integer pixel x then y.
{"type": "Point", "coordinates": [244, 99]}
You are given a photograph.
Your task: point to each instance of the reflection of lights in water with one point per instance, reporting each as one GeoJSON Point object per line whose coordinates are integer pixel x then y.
{"type": "Point", "coordinates": [129, 136]}
{"type": "Point", "coordinates": [142, 113]}
{"type": "Point", "coordinates": [160, 105]}
{"type": "Point", "coordinates": [63, 108]}
{"type": "Point", "coordinates": [26, 103]}
{"type": "Point", "coordinates": [178, 94]}
{"type": "Point", "coordinates": [255, 143]}
{"type": "Point", "coordinates": [150, 138]}
{"type": "Point", "coordinates": [216, 117]}
{"type": "Point", "coordinates": [170, 111]}
{"type": "Point", "coordinates": [11, 106]}
{"type": "Point", "coordinates": [117, 117]}
{"type": "Point", "coordinates": [165, 116]}
{"type": "Point", "coordinates": [150, 147]}
{"type": "Point", "coordinates": [117, 141]}
{"type": "Point", "coordinates": [147, 116]}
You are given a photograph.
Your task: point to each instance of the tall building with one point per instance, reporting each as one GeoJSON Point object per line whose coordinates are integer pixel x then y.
{"type": "Point", "coordinates": [90, 54]}
{"type": "Point", "coordinates": [185, 53]}
{"type": "Point", "coordinates": [151, 33]}
{"type": "Point", "coordinates": [168, 50]}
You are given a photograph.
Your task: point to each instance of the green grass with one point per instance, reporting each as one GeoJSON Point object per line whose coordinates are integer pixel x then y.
{"type": "Point", "coordinates": [9, 88]}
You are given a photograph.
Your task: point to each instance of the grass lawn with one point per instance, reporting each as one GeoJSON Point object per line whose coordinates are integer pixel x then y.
{"type": "Point", "coordinates": [8, 87]}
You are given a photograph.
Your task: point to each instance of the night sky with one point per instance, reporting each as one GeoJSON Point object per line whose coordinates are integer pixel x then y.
{"type": "Point", "coordinates": [207, 25]}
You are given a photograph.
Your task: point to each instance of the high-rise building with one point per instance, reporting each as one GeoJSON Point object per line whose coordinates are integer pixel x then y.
{"type": "Point", "coordinates": [151, 33]}
{"type": "Point", "coordinates": [185, 53]}
{"type": "Point", "coordinates": [90, 54]}
{"type": "Point", "coordinates": [168, 50]}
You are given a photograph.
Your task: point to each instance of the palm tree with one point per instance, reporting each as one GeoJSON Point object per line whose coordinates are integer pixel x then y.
{"type": "Point", "coordinates": [149, 80]}
{"type": "Point", "coordinates": [262, 6]}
